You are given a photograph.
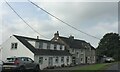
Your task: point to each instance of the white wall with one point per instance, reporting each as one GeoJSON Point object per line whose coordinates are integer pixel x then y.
{"type": "Point", "coordinates": [45, 61]}
{"type": "Point", "coordinates": [32, 43]}
{"type": "Point", "coordinates": [46, 58]}
{"type": "Point", "coordinates": [20, 51]}
{"type": "Point", "coordinates": [63, 47]}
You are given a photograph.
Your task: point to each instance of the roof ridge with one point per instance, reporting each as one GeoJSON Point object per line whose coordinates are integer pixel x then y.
{"type": "Point", "coordinates": [35, 39]}
{"type": "Point", "coordinates": [74, 39]}
{"type": "Point", "coordinates": [30, 38]}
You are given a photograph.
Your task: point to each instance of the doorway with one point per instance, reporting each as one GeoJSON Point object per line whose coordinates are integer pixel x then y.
{"type": "Point", "coordinates": [50, 61]}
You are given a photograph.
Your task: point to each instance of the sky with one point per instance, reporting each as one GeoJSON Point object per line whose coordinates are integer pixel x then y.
{"type": "Point", "coordinates": [95, 17]}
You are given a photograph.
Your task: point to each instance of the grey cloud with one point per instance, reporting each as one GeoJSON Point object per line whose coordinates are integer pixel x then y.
{"type": "Point", "coordinates": [90, 17]}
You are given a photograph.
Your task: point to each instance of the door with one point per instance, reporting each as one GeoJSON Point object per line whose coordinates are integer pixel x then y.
{"type": "Point", "coordinates": [28, 63]}
{"type": "Point", "coordinates": [74, 60]}
{"type": "Point", "coordinates": [31, 63]}
{"type": "Point", "coordinates": [50, 61]}
{"type": "Point", "coordinates": [86, 60]}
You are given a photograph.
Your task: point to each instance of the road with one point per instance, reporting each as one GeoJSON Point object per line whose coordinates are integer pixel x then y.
{"type": "Point", "coordinates": [115, 66]}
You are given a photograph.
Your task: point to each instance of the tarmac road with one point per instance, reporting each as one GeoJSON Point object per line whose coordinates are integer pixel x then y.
{"type": "Point", "coordinates": [113, 68]}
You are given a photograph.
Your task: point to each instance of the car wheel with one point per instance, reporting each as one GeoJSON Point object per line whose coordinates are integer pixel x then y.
{"type": "Point", "coordinates": [37, 69]}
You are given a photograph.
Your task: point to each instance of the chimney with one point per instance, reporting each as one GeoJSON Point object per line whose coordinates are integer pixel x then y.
{"type": "Point", "coordinates": [37, 37]}
{"type": "Point", "coordinates": [71, 37]}
{"type": "Point", "coordinates": [56, 34]}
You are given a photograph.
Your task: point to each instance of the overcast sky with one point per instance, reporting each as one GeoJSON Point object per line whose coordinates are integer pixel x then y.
{"type": "Point", "coordinates": [95, 18]}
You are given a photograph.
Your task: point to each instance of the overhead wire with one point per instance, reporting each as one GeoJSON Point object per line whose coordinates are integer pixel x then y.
{"type": "Point", "coordinates": [24, 20]}
{"type": "Point", "coordinates": [63, 21]}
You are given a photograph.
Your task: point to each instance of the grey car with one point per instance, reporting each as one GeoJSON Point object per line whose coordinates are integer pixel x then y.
{"type": "Point", "coordinates": [109, 59]}
{"type": "Point", "coordinates": [20, 64]}
{"type": "Point", "coordinates": [1, 64]}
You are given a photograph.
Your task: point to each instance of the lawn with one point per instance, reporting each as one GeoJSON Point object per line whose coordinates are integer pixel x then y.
{"type": "Point", "coordinates": [93, 68]}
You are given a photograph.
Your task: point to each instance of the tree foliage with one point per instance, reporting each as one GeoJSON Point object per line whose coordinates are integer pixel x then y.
{"type": "Point", "coordinates": [109, 45]}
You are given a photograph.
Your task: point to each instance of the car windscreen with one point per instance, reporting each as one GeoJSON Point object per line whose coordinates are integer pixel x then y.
{"type": "Point", "coordinates": [1, 62]}
{"type": "Point", "coordinates": [11, 59]}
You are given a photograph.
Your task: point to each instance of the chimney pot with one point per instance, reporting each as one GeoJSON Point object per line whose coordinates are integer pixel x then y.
{"type": "Point", "coordinates": [37, 37]}
{"type": "Point", "coordinates": [56, 34]}
{"type": "Point", "coordinates": [71, 37]}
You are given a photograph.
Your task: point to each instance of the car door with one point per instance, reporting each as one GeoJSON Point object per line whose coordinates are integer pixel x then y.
{"type": "Point", "coordinates": [31, 63]}
{"type": "Point", "coordinates": [26, 63]}
{"type": "Point", "coordinates": [1, 63]}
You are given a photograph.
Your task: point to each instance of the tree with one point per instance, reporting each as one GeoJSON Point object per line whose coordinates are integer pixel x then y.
{"type": "Point", "coordinates": [109, 45]}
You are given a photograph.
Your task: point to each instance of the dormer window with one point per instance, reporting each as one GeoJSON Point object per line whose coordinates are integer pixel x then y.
{"type": "Point", "coordinates": [14, 45]}
{"type": "Point", "coordinates": [39, 45]}
{"type": "Point", "coordinates": [48, 46]}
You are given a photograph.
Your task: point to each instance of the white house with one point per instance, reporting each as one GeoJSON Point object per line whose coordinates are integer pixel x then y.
{"type": "Point", "coordinates": [81, 51]}
{"type": "Point", "coordinates": [46, 53]}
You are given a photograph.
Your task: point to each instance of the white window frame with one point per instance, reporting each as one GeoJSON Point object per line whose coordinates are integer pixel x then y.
{"type": "Point", "coordinates": [14, 45]}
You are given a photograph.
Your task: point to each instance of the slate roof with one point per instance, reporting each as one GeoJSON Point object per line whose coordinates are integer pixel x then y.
{"type": "Point", "coordinates": [74, 43]}
{"type": "Point", "coordinates": [24, 41]}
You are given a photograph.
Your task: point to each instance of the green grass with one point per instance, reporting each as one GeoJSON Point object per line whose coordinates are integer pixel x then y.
{"type": "Point", "coordinates": [93, 68]}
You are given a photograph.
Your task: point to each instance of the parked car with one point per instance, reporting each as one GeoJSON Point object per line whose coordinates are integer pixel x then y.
{"type": "Point", "coordinates": [20, 64]}
{"type": "Point", "coordinates": [109, 59]}
{"type": "Point", "coordinates": [1, 64]}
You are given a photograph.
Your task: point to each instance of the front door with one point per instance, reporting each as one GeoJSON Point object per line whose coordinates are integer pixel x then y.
{"type": "Point", "coordinates": [50, 61]}
{"type": "Point", "coordinates": [86, 60]}
{"type": "Point", "coordinates": [74, 60]}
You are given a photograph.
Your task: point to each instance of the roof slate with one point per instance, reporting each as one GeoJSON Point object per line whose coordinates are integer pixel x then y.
{"type": "Point", "coordinates": [74, 43]}
{"type": "Point", "coordinates": [24, 41]}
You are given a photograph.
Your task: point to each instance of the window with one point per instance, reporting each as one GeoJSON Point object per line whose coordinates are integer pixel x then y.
{"type": "Point", "coordinates": [67, 59]}
{"type": "Point", "coordinates": [41, 60]}
{"type": "Point", "coordinates": [55, 47]}
{"type": "Point", "coordinates": [81, 59]}
{"type": "Point", "coordinates": [29, 60]}
{"type": "Point", "coordinates": [60, 47]}
{"type": "Point", "coordinates": [37, 44]}
{"type": "Point", "coordinates": [62, 59]}
{"type": "Point", "coordinates": [81, 50]}
{"type": "Point", "coordinates": [77, 54]}
{"type": "Point", "coordinates": [48, 46]}
{"type": "Point", "coordinates": [56, 60]}
{"type": "Point", "coordinates": [82, 55]}
{"type": "Point", "coordinates": [40, 45]}
{"type": "Point", "coordinates": [14, 45]}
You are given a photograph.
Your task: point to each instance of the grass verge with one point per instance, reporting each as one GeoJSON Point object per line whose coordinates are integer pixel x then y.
{"type": "Point", "coordinates": [94, 67]}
